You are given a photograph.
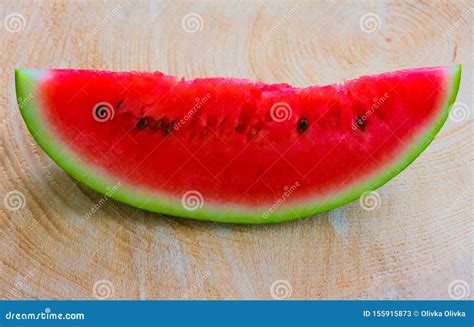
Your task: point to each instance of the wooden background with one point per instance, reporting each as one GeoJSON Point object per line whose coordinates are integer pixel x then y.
{"type": "Point", "coordinates": [417, 244]}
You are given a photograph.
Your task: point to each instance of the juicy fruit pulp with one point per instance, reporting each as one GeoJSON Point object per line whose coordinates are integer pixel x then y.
{"type": "Point", "coordinates": [234, 150]}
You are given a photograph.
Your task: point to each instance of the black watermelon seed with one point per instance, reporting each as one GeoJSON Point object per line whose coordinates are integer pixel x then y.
{"type": "Point", "coordinates": [142, 123]}
{"type": "Point", "coordinates": [169, 127]}
{"type": "Point", "coordinates": [239, 128]}
{"type": "Point", "coordinates": [360, 123]}
{"type": "Point", "coordinates": [302, 125]}
{"type": "Point", "coordinates": [119, 104]}
{"type": "Point", "coordinates": [156, 126]}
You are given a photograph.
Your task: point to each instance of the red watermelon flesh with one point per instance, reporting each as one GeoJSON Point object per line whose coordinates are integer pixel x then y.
{"type": "Point", "coordinates": [247, 151]}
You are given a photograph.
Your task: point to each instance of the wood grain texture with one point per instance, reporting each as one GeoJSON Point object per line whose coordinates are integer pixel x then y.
{"type": "Point", "coordinates": [413, 246]}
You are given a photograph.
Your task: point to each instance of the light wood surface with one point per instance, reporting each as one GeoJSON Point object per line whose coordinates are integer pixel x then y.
{"type": "Point", "coordinates": [416, 244]}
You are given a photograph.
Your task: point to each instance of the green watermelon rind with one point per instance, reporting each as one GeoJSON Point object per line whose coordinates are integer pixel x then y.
{"type": "Point", "coordinates": [26, 86]}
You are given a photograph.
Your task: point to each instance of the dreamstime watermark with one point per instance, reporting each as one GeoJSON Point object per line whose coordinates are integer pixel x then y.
{"type": "Point", "coordinates": [192, 200]}
{"type": "Point", "coordinates": [103, 111]}
{"type": "Point", "coordinates": [22, 102]}
{"type": "Point", "coordinates": [369, 22]}
{"type": "Point", "coordinates": [19, 284]}
{"type": "Point", "coordinates": [287, 191]}
{"type": "Point", "coordinates": [459, 112]}
{"type": "Point", "coordinates": [199, 103]}
{"type": "Point", "coordinates": [47, 314]}
{"type": "Point", "coordinates": [14, 22]}
{"type": "Point", "coordinates": [103, 289]}
{"type": "Point", "coordinates": [192, 22]}
{"type": "Point", "coordinates": [103, 200]}
{"type": "Point", "coordinates": [98, 27]}
{"type": "Point", "coordinates": [198, 285]}
{"type": "Point", "coordinates": [280, 112]}
{"type": "Point", "coordinates": [281, 289]}
{"type": "Point", "coordinates": [370, 200]}
{"type": "Point", "coordinates": [466, 14]}
{"type": "Point", "coordinates": [459, 289]}
{"type": "Point", "coordinates": [378, 280]}
{"type": "Point", "coordinates": [281, 22]}
{"type": "Point", "coordinates": [380, 284]}
{"type": "Point", "coordinates": [14, 200]}
{"type": "Point", "coordinates": [376, 105]}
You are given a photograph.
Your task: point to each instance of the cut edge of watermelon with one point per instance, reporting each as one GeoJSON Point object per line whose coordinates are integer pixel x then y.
{"type": "Point", "coordinates": [26, 82]}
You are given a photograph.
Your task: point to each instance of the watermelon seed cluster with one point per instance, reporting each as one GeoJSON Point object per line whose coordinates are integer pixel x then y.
{"type": "Point", "coordinates": [155, 125]}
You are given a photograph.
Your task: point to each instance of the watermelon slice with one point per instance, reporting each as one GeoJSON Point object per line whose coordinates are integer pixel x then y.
{"type": "Point", "coordinates": [233, 150]}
